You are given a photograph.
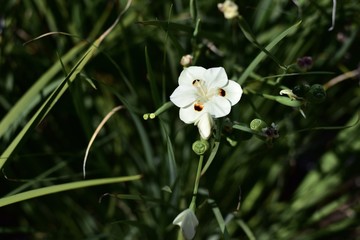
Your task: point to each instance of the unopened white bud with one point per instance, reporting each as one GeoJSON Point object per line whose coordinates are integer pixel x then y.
{"type": "Point", "coordinates": [229, 8]}
{"type": "Point", "coordinates": [186, 60]}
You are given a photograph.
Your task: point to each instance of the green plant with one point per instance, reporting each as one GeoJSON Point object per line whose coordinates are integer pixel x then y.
{"type": "Point", "coordinates": [277, 167]}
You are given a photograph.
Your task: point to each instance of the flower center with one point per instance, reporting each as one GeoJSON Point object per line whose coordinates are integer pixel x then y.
{"type": "Point", "coordinates": [205, 94]}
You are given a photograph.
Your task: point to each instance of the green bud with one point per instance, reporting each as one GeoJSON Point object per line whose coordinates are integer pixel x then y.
{"type": "Point", "coordinates": [316, 94]}
{"type": "Point", "coordinates": [257, 125]}
{"type": "Point", "coordinates": [301, 90]}
{"type": "Point", "coordinates": [200, 146]}
{"type": "Point", "coordinates": [146, 116]}
{"type": "Point", "coordinates": [159, 111]}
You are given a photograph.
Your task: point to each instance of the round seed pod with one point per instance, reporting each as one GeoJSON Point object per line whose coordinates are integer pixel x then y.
{"type": "Point", "coordinates": [257, 125]}
{"type": "Point", "coordinates": [301, 90]}
{"type": "Point", "coordinates": [316, 94]}
{"type": "Point", "coordinates": [200, 146]}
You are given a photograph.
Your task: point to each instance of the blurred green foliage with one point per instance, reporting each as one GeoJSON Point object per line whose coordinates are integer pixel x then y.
{"type": "Point", "coordinates": [302, 185]}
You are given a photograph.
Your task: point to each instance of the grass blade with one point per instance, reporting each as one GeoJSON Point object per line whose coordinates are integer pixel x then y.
{"type": "Point", "coordinates": [262, 55]}
{"type": "Point", "coordinates": [219, 218]}
{"type": "Point", "coordinates": [211, 157]}
{"type": "Point", "coordinates": [11, 119]}
{"type": "Point", "coordinates": [102, 123]}
{"type": "Point", "coordinates": [55, 96]}
{"type": "Point", "coordinates": [63, 187]}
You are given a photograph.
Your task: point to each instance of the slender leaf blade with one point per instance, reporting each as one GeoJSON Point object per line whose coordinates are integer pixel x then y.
{"type": "Point", "coordinates": [63, 187]}
{"type": "Point", "coordinates": [262, 55]}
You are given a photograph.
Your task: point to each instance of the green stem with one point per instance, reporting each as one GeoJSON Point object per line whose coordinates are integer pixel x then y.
{"type": "Point", "coordinates": [180, 235]}
{"type": "Point", "coordinates": [196, 187]}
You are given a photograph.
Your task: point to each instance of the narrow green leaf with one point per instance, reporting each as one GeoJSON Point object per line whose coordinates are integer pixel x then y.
{"type": "Point", "coordinates": [63, 187]}
{"type": "Point", "coordinates": [262, 55]}
{"type": "Point", "coordinates": [21, 108]}
{"type": "Point", "coordinates": [11, 119]}
{"type": "Point", "coordinates": [193, 10]}
{"type": "Point", "coordinates": [38, 179]}
{"type": "Point", "coordinates": [252, 197]}
{"type": "Point", "coordinates": [59, 91]}
{"type": "Point", "coordinates": [243, 128]}
{"type": "Point", "coordinates": [211, 157]}
{"type": "Point", "coordinates": [246, 229]}
{"type": "Point", "coordinates": [197, 28]}
{"type": "Point", "coordinates": [41, 113]}
{"type": "Point", "coordinates": [171, 161]}
{"type": "Point", "coordinates": [283, 100]}
{"type": "Point", "coordinates": [245, 28]}
{"type": "Point", "coordinates": [219, 218]}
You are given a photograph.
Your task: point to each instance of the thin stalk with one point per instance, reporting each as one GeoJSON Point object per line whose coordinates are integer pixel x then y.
{"type": "Point", "coordinates": [196, 186]}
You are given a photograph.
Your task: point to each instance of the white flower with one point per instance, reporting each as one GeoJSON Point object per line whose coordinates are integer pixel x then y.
{"type": "Point", "coordinates": [187, 221]}
{"type": "Point", "coordinates": [204, 94]}
{"type": "Point", "coordinates": [229, 8]}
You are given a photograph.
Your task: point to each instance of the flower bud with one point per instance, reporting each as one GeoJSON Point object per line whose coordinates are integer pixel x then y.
{"type": "Point", "coordinates": [257, 125]}
{"type": "Point", "coordinates": [200, 146]}
{"type": "Point", "coordinates": [271, 132]}
{"type": "Point", "coordinates": [305, 62]}
{"type": "Point", "coordinates": [316, 94]}
{"type": "Point", "coordinates": [229, 8]}
{"type": "Point", "coordinates": [186, 60]}
{"type": "Point", "coordinates": [301, 90]}
{"type": "Point", "coordinates": [146, 116]}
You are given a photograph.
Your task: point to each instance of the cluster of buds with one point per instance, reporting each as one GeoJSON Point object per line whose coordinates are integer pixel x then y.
{"type": "Point", "coordinates": [269, 132]}
{"type": "Point", "coordinates": [312, 94]}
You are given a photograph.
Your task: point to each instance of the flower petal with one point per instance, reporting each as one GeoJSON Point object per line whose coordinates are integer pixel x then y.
{"type": "Point", "coordinates": [180, 217]}
{"type": "Point", "coordinates": [205, 124]}
{"type": "Point", "coordinates": [233, 92]}
{"type": "Point", "coordinates": [187, 221]}
{"type": "Point", "coordinates": [188, 75]}
{"type": "Point", "coordinates": [184, 95]}
{"type": "Point", "coordinates": [216, 77]}
{"type": "Point", "coordinates": [218, 106]}
{"type": "Point", "coordinates": [189, 115]}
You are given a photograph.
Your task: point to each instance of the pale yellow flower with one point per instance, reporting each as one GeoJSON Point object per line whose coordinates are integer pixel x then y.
{"type": "Point", "coordinates": [229, 8]}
